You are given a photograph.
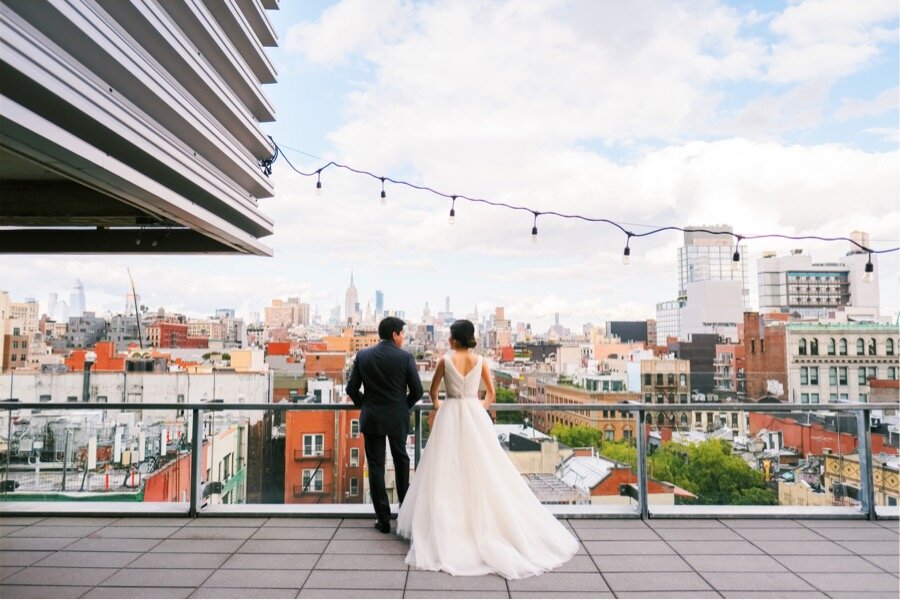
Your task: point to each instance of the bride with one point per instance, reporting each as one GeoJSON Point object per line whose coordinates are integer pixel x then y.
{"type": "Point", "coordinates": [468, 510]}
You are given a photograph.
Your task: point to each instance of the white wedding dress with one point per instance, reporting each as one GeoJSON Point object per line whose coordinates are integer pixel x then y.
{"type": "Point", "coordinates": [468, 511]}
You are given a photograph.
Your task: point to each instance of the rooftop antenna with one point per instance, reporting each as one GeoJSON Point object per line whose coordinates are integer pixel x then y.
{"type": "Point", "coordinates": [137, 312]}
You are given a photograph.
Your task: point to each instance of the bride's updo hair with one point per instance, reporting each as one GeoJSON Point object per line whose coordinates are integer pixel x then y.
{"type": "Point", "coordinates": [463, 333]}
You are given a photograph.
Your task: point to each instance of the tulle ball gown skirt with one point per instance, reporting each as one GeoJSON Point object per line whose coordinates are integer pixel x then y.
{"type": "Point", "coordinates": [468, 510]}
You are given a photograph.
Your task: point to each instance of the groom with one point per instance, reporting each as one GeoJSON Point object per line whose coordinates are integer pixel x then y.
{"type": "Point", "coordinates": [392, 386]}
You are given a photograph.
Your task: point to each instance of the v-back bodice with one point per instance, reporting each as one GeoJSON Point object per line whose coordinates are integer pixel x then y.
{"type": "Point", "coordinates": [458, 385]}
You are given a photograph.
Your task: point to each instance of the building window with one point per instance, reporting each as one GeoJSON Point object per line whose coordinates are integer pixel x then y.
{"type": "Point", "coordinates": [860, 347]}
{"type": "Point", "coordinates": [609, 435]}
{"type": "Point", "coordinates": [670, 379]}
{"type": "Point", "coordinates": [682, 380]}
{"type": "Point", "coordinates": [698, 418]}
{"type": "Point", "coordinates": [889, 347]}
{"type": "Point", "coordinates": [648, 379]}
{"type": "Point", "coordinates": [659, 379]}
{"type": "Point", "coordinates": [814, 375]}
{"type": "Point", "coordinates": [684, 420]}
{"type": "Point", "coordinates": [814, 398]}
{"type": "Point", "coordinates": [354, 428]}
{"type": "Point", "coordinates": [313, 481]}
{"type": "Point", "coordinates": [648, 398]}
{"type": "Point", "coordinates": [842, 375]}
{"type": "Point", "coordinates": [72, 399]}
{"type": "Point", "coordinates": [626, 435]}
{"type": "Point", "coordinates": [872, 347]}
{"type": "Point", "coordinates": [313, 444]}
{"type": "Point", "coordinates": [892, 373]}
{"type": "Point", "coordinates": [814, 347]}
{"type": "Point", "coordinates": [660, 419]}
{"type": "Point", "coordinates": [354, 457]}
{"type": "Point", "coordinates": [832, 375]}
{"type": "Point", "coordinates": [842, 347]}
{"type": "Point", "coordinates": [354, 486]}
{"type": "Point", "coordinates": [753, 347]}
{"type": "Point", "coordinates": [862, 376]}
{"type": "Point", "coordinates": [804, 398]}
{"type": "Point", "coordinates": [682, 398]}
{"type": "Point", "coordinates": [44, 398]}
{"type": "Point", "coordinates": [802, 347]}
{"type": "Point", "coordinates": [804, 376]}
{"type": "Point", "coordinates": [832, 347]}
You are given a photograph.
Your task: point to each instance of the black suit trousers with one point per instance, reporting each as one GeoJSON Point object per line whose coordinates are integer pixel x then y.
{"type": "Point", "coordinates": [375, 457]}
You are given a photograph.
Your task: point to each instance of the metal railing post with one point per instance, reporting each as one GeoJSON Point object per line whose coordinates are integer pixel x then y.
{"type": "Point", "coordinates": [864, 448]}
{"type": "Point", "coordinates": [418, 447]}
{"type": "Point", "coordinates": [643, 505]}
{"type": "Point", "coordinates": [196, 461]}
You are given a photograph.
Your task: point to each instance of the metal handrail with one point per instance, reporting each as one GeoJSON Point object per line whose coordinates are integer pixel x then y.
{"type": "Point", "coordinates": [862, 410]}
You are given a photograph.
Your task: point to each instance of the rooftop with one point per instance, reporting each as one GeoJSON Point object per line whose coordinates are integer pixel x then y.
{"type": "Point", "coordinates": [289, 557]}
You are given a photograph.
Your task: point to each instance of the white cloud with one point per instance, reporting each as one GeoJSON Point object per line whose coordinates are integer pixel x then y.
{"type": "Point", "coordinates": [828, 39]}
{"type": "Point", "coordinates": [851, 108]}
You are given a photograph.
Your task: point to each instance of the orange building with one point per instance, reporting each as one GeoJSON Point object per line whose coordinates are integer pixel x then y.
{"type": "Point", "coordinates": [329, 364]}
{"type": "Point", "coordinates": [172, 483]}
{"type": "Point", "coordinates": [324, 458]}
{"type": "Point", "coordinates": [107, 358]}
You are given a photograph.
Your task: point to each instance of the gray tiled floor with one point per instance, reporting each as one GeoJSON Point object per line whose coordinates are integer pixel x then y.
{"type": "Point", "coordinates": [346, 558]}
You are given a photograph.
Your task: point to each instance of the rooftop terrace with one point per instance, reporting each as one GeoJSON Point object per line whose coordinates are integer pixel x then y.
{"type": "Point", "coordinates": [289, 557]}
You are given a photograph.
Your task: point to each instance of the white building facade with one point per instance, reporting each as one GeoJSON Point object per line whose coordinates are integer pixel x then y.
{"type": "Point", "coordinates": [833, 362]}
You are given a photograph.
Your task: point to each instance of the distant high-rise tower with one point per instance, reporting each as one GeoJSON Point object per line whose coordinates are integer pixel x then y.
{"type": "Point", "coordinates": [76, 300]}
{"type": "Point", "coordinates": [379, 303]}
{"type": "Point", "coordinates": [447, 304]}
{"type": "Point", "coordinates": [351, 304]}
{"type": "Point", "coordinates": [709, 257]}
{"type": "Point", "coordinates": [51, 304]}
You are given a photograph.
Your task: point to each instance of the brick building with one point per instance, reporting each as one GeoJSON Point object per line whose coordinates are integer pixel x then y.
{"type": "Point", "coordinates": [324, 458]}
{"type": "Point", "coordinates": [765, 353]}
{"type": "Point", "coordinates": [614, 425]}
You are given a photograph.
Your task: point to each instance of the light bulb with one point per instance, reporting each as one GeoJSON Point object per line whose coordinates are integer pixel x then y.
{"type": "Point", "coordinates": [626, 256]}
{"type": "Point", "coordinates": [736, 257]}
{"type": "Point", "coordinates": [383, 199]}
{"type": "Point", "coordinates": [534, 235]}
{"type": "Point", "coordinates": [452, 218]}
{"type": "Point", "coordinates": [870, 271]}
{"type": "Point", "coordinates": [318, 188]}
{"type": "Point", "coordinates": [868, 277]}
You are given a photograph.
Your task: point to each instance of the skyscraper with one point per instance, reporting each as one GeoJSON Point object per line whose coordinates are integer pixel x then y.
{"type": "Point", "coordinates": [379, 303]}
{"type": "Point", "coordinates": [76, 300]}
{"type": "Point", "coordinates": [351, 303]}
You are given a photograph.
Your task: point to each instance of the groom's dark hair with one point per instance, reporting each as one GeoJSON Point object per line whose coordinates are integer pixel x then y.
{"type": "Point", "coordinates": [389, 326]}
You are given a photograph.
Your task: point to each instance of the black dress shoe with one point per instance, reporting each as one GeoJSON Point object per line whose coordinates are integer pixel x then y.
{"type": "Point", "coordinates": [383, 526]}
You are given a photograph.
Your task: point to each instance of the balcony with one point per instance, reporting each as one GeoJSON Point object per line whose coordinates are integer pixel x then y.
{"type": "Point", "coordinates": [302, 492]}
{"type": "Point", "coordinates": [314, 456]}
{"type": "Point", "coordinates": [637, 546]}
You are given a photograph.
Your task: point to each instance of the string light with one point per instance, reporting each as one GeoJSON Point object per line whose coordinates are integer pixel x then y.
{"type": "Point", "coordinates": [736, 257]}
{"type": "Point", "coordinates": [626, 255]}
{"type": "Point", "coordinates": [383, 193]}
{"type": "Point", "coordinates": [870, 270]}
{"type": "Point", "coordinates": [625, 258]}
{"type": "Point", "coordinates": [452, 218]}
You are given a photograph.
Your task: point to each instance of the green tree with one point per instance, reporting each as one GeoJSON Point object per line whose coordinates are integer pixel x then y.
{"type": "Point", "coordinates": [620, 451]}
{"type": "Point", "coordinates": [505, 396]}
{"type": "Point", "coordinates": [710, 471]}
{"type": "Point", "coordinates": [577, 436]}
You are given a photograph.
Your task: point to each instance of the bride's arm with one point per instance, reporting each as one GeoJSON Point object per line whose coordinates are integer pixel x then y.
{"type": "Point", "coordinates": [491, 394]}
{"type": "Point", "coordinates": [436, 384]}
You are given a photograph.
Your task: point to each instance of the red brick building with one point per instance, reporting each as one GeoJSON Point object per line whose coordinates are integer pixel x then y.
{"type": "Point", "coordinates": [108, 360]}
{"type": "Point", "coordinates": [329, 364]}
{"type": "Point", "coordinates": [765, 353]}
{"type": "Point", "coordinates": [324, 458]}
{"type": "Point", "coordinates": [173, 335]}
{"type": "Point", "coordinates": [814, 438]}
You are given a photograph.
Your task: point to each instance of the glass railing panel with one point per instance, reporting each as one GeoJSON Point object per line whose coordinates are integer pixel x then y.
{"type": "Point", "coordinates": [885, 436]}
{"type": "Point", "coordinates": [57, 454]}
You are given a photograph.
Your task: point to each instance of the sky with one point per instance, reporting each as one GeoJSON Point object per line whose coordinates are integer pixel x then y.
{"type": "Point", "coordinates": [773, 117]}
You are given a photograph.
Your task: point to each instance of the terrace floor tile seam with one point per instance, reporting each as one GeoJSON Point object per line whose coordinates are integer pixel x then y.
{"type": "Point", "coordinates": [318, 560]}
{"type": "Point", "coordinates": [789, 570]}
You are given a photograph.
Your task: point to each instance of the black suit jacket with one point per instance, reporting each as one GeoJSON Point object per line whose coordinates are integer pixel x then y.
{"type": "Point", "coordinates": [392, 386]}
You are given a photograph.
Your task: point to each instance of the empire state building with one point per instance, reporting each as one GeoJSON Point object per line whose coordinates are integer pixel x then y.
{"type": "Point", "coordinates": [351, 304]}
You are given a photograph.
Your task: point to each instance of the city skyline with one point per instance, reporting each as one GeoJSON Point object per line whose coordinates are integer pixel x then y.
{"type": "Point", "coordinates": [771, 119]}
